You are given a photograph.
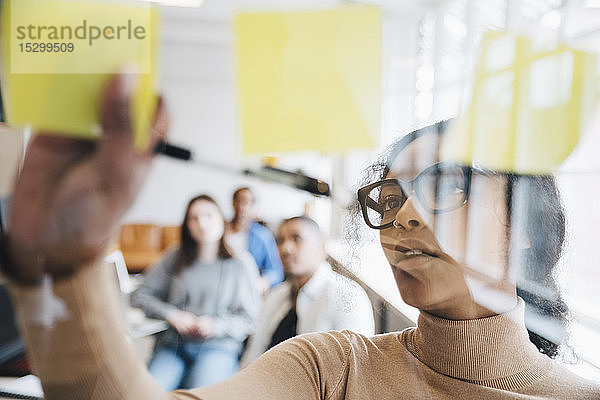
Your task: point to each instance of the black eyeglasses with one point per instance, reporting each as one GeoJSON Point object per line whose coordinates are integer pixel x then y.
{"type": "Point", "coordinates": [440, 188]}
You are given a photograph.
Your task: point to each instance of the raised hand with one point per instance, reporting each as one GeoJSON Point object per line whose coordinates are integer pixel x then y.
{"type": "Point", "coordinates": [71, 193]}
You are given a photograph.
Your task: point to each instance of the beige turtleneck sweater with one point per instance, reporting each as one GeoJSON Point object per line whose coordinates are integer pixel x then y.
{"type": "Point", "coordinates": [86, 356]}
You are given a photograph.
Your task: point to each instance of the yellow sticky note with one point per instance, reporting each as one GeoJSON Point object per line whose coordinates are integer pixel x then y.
{"type": "Point", "coordinates": [58, 56]}
{"type": "Point", "coordinates": [528, 108]}
{"type": "Point", "coordinates": [309, 80]}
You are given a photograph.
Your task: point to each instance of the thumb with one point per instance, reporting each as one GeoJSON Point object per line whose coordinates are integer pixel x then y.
{"type": "Point", "coordinates": [115, 116]}
{"type": "Point", "coordinates": [116, 151]}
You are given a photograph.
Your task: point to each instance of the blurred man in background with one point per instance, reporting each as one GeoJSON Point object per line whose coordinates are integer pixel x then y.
{"type": "Point", "coordinates": [245, 234]}
{"type": "Point", "coordinates": [313, 298]}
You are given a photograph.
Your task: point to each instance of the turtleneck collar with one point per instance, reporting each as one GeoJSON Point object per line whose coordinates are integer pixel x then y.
{"type": "Point", "coordinates": [493, 351]}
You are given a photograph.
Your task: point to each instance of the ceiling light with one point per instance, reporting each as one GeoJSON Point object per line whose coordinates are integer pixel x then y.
{"type": "Point", "coordinates": [178, 3]}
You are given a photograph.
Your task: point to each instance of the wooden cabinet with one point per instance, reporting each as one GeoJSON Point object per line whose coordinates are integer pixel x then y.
{"type": "Point", "coordinates": [143, 244]}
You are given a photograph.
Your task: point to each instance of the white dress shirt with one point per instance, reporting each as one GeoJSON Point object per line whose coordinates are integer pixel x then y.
{"type": "Point", "coordinates": [328, 301]}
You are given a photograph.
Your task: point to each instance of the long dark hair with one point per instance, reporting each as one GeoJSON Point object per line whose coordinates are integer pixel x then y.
{"type": "Point", "coordinates": [188, 249]}
{"type": "Point", "coordinates": [536, 212]}
{"type": "Point", "coordinates": [541, 219]}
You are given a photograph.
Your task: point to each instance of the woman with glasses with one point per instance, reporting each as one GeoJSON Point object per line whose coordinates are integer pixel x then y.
{"type": "Point", "coordinates": [474, 250]}
{"type": "Point", "coordinates": [459, 241]}
{"type": "Point", "coordinates": [482, 236]}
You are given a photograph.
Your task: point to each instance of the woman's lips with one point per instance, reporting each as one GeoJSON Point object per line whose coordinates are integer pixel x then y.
{"type": "Point", "coordinates": [412, 249]}
{"type": "Point", "coordinates": [408, 255]}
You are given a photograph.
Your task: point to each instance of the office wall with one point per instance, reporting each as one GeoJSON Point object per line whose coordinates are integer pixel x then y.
{"type": "Point", "coordinates": [198, 80]}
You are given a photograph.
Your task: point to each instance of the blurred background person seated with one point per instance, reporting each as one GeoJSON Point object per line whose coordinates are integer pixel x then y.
{"type": "Point", "coordinates": [206, 296]}
{"type": "Point", "coordinates": [245, 234]}
{"type": "Point", "coordinates": [313, 297]}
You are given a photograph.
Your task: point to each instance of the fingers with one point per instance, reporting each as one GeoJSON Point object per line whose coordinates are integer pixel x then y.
{"type": "Point", "coordinates": [183, 322]}
{"type": "Point", "coordinates": [186, 329]}
{"type": "Point", "coordinates": [160, 126]}
{"type": "Point", "coordinates": [115, 117]}
{"type": "Point", "coordinates": [48, 156]}
{"type": "Point", "coordinates": [121, 168]}
{"type": "Point", "coordinates": [115, 151]}
{"type": "Point", "coordinates": [205, 326]}
{"type": "Point", "coordinates": [47, 159]}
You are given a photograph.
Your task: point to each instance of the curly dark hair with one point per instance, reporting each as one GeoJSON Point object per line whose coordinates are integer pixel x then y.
{"type": "Point", "coordinates": [535, 211]}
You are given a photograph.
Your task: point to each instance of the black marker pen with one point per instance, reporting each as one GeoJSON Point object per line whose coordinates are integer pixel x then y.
{"type": "Point", "coordinates": [271, 174]}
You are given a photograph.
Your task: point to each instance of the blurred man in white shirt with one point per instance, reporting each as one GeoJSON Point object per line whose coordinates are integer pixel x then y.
{"type": "Point", "coordinates": [313, 298]}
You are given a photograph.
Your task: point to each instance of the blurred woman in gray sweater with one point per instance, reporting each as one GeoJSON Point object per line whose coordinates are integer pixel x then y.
{"type": "Point", "coordinates": [207, 297]}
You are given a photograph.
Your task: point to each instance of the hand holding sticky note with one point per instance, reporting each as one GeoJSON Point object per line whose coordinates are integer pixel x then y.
{"type": "Point", "coordinates": [59, 55]}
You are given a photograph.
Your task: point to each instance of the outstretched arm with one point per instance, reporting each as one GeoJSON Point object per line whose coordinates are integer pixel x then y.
{"type": "Point", "coordinates": [67, 203]}
{"type": "Point", "coordinates": [71, 194]}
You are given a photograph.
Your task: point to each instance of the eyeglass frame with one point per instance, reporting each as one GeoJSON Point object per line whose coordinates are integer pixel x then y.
{"type": "Point", "coordinates": [363, 192]}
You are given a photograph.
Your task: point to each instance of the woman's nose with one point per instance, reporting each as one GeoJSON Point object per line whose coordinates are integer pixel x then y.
{"type": "Point", "coordinates": [407, 217]}
{"type": "Point", "coordinates": [203, 222]}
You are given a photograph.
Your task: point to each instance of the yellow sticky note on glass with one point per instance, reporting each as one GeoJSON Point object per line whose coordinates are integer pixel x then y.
{"type": "Point", "coordinates": [58, 56]}
{"type": "Point", "coordinates": [309, 80]}
{"type": "Point", "coordinates": [528, 108]}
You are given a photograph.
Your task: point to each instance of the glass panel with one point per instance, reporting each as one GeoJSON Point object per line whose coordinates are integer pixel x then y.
{"type": "Point", "coordinates": [444, 188]}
